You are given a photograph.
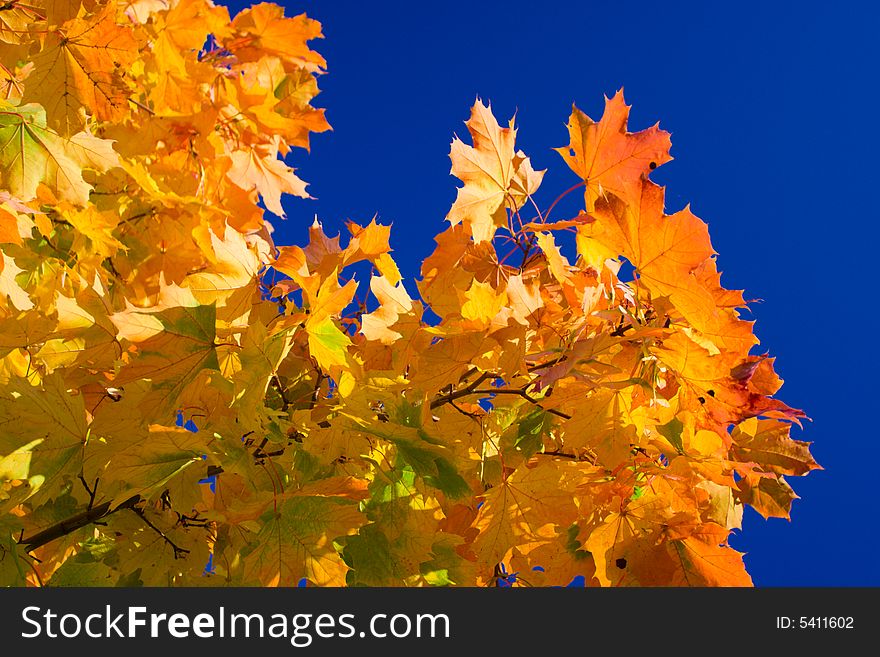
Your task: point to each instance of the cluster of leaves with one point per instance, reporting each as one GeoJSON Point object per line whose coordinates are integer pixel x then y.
{"type": "Point", "coordinates": [555, 421]}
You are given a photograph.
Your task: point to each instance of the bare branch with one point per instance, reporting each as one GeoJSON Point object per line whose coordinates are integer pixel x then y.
{"type": "Point", "coordinates": [521, 393]}
{"type": "Point", "coordinates": [78, 521]}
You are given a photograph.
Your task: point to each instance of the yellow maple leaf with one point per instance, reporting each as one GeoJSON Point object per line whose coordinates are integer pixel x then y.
{"type": "Point", "coordinates": [32, 154]}
{"type": "Point", "coordinates": [78, 71]}
{"type": "Point", "coordinates": [489, 170]}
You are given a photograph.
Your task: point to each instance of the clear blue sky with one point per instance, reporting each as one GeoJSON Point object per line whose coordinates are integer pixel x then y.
{"type": "Point", "coordinates": [772, 108]}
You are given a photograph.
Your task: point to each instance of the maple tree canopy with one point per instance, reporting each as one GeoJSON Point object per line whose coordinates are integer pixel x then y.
{"type": "Point", "coordinates": [557, 420]}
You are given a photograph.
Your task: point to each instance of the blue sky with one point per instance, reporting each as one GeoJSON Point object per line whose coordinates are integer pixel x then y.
{"type": "Point", "coordinates": [771, 108]}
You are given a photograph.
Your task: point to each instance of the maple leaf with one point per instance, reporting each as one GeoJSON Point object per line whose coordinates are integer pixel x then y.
{"type": "Point", "coordinates": [525, 299]}
{"type": "Point", "coordinates": [327, 342]}
{"type": "Point", "coordinates": [173, 346]}
{"type": "Point", "coordinates": [17, 464]}
{"type": "Point", "coordinates": [664, 249]}
{"type": "Point", "coordinates": [96, 227]}
{"type": "Point", "coordinates": [53, 423]}
{"type": "Point", "coordinates": [533, 506]}
{"type": "Point", "coordinates": [488, 169]}
{"type": "Point", "coordinates": [294, 92]}
{"type": "Point", "coordinates": [233, 267]}
{"type": "Point", "coordinates": [603, 422]}
{"type": "Point", "coordinates": [769, 495]}
{"type": "Point", "coordinates": [78, 71]}
{"type": "Point", "coordinates": [767, 442]}
{"type": "Point", "coordinates": [183, 29]}
{"type": "Point", "coordinates": [393, 302]}
{"type": "Point", "coordinates": [671, 254]}
{"type": "Point", "coordinates": [259, 169]}
{"type": "Point", "coordinates": [706, 560]}
{"type": "Point", "coordinates": [482, 303]}
{"type": "Point", "coordinates": [607, 157]}
{"type": "Point", "coordinates": [296, 541]}
{"type": "Point", "coordinates": [32, 154]}
{"type": "Point", "coordinates": [144, 463]}
{"type": "Point", "coordinates": [263, 30]}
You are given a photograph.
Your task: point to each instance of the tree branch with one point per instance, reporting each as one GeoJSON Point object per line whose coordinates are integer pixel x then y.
{"type": "Point", "coordinates": [70, 525]}
{"type": "Point", "coordinates": [473, 389]}
{"type": "Point", "coordinates": [565, 455]}
{"type": "Point", "coordinates": [464, 392]}
{"type": "Point", "coordinates": [522, 393]}
{"type": "Point", "coordinates": [92, 515]}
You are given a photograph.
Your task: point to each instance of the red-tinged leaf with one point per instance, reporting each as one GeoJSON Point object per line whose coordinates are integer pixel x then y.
{"type": "Point", "coordinates": [607, 157]}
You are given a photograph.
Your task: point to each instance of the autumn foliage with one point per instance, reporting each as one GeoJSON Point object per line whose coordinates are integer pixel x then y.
{"type": "Point", "coordinates": [560, 418]}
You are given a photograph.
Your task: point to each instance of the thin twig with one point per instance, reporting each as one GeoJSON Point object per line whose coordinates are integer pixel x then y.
{"type": "Point", "coordinates": [524, 395]}
{"type": "Point", "coordinates": [90, 491]}
{"type": "Point", "coordinates": [565, 455]}
{"type": "Point", "coordinates": [178, 551]}
{"type": "Point", "coordinates": [142, 106]}
{"type": "Point", "coordinates": [474, 416]}
{"type": "Point", "coordinates": [453, 395]}
{"type": "Point", "coordinates": [285, 402]}
{"type": "Point", "coordinates": [549, 363]}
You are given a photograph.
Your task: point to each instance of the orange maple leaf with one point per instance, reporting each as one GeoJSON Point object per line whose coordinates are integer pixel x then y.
{"type": "Point", "coordinates": [607, 157]}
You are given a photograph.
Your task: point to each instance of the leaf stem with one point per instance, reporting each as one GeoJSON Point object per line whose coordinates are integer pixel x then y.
{"type": "Point", "coordinates": [562, 196]}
